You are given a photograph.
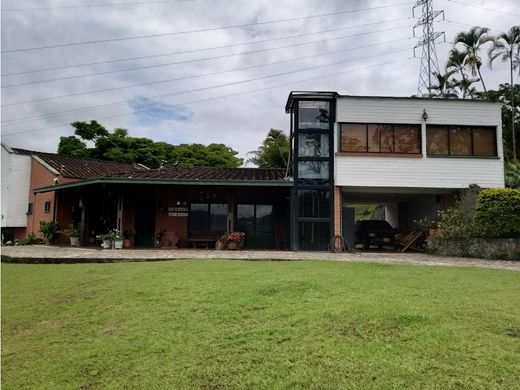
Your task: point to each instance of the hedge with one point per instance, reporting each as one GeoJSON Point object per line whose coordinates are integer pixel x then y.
{"type": "Point", "coordinates": [498, 212]}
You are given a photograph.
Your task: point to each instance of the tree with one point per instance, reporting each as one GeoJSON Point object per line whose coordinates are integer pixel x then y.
{"type": "Point", "coordinates": [119, 146]}
{"type": "Point", "coordinates": [72, 146]}
{"type": "Point", "coordinates": [507, 47]}
{"type": "Point", "coordinates": [274, 151]}
{"type": "Point", "coordinates": [507, 95]}
{"type": "Point", "coordinates": [471, 42]}
{"type": "Point", "coordinates": [444, 87]}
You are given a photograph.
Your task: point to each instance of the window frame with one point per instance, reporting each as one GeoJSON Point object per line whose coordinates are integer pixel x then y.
{"type": "Point", "coordinates": [466, 127]}
{"type": "Point", "coordinates": [47, 206]}
{"type": "Point", "coordinates": [384, 125]}
{"type": "Point", "coordinates": [30, 207]}
{"type": "Point", "coordinates": [208, 218]}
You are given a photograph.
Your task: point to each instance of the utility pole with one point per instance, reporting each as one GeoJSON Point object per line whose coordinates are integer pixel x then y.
{"type": "Point", "coordinates": [429, 61]}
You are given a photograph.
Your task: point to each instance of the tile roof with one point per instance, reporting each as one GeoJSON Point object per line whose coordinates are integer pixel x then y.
{"type": "Point", "coordinates": [82, 168]}
{"type": "Point", "coordinates": [88, 168]}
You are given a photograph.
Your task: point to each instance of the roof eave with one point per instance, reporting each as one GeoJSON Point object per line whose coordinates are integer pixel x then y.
{"type": "Point", "coordinates": [119, 180]}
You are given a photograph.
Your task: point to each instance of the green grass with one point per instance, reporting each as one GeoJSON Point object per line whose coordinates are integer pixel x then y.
{"type": "Point", "coordinates": [259, 325]}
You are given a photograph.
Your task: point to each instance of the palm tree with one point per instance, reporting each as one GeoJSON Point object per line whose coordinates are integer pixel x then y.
{"type": "Point", "coordinates": [456, 62]}
{"type": "Point", "coordinates": [444, 87]}
{"type": "Point", "coordinates": [465, 88]}
{"type": "Point", "coordinates": [471, 42]}
{"type": "Point", "coordinates": [507, 47]}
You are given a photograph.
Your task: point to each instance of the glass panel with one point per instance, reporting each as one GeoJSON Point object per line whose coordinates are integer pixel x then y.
{"type": "Point", "coordinates": [314, 203]}
{"type": "Point", "coordinates": [264, 219]}
{"type": "Point", "coordinates": [437, 140]}
{"type": "Point", "coordinates": [218, 217]}
{"type": "Point", "coordinates": [313, 145]}
{"type": "Point", "coordinates": [374, 138]}
{"type": "Point", "coordinates": [245, 218]}
{"type": "Point", "coordinates": [460, 141]}
{"type": "Point", "coordinates": [387, 138]}
{"type": "Point", "coordinates": [484, 141]}
{"type": "Point", "coordinates": [199, 220]}
{"type": "Point", "coordinates": [313, 115]}
{"type": "Point", "coordinates": [314, 235]}
{"type": "Point", "coordinates": [353, 137]}
{"type": "Point", "coordinates": [407, 139]}
{"type": "Point", "coordinates": [313, 172]}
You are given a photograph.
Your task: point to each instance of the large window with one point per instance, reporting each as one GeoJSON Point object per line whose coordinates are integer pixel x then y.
{"type": "Point", "coordinates": [461, 141]}
{"type": "Point", "coordinates": [313, 115]}
{"type": "Point", "coordinates": [380, 138]}
{"type": "Point", "coordinates": [206, 217]}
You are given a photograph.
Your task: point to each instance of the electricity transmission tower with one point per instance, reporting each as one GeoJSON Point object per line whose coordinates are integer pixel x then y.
{"type": "Point", "coordinates": [429, 61]}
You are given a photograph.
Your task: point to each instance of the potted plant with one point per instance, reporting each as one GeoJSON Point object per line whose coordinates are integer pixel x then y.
{"type": "Point", "coordinates": [74, 233]}
{"type": "Point", "coordinates": [127, 238]}
{"type": "Point", "coordinates": [49, 231]}
{"type": "Point", "coordinates": [232, 240]}
{"type": "Point", "coordinates": [106, 239]}
{"type": "Point", "coordinates": [117, 239]}
{"type": "Point", "coordinates": [429, 225]}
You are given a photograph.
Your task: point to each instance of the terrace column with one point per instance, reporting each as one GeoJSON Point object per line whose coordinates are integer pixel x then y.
{"type": "Point", "coordinates": [337, 211]}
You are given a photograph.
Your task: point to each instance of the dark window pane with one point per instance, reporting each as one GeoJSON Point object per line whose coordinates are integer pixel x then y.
{"type": "Point", "coordinates": [313, 145]}
{"type": "Point", "coordinates": [484, 141]}
{"type": "Point", "coordinates": [314, 203]}
{"type": "Point", "coordinates": [313, 172]}
{"type": "Point", "coordinates": [460, 141]}
{"type": "Point", "coordinates": [314, 235]}
{"type": "Point", "coordinates": [199, 217]}
{"type": "Point", "coordinates": [218, 217]}
{"type": "Point", "coordinates": [407, 138]}
{"type": "Point", "coordinates": [353, 137]}
{"type": "Point", "coordinates": [437, 140]}
{"type": "Point", "coordinates": [264, 219]}
{"type": "Point", "coordinates": [245, 218]}
{"type": "Point", "coordinates": [313, 115]}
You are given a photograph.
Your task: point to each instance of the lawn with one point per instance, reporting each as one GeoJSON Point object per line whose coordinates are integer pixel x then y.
{"type": "Point", "coordinates": [210, 324]}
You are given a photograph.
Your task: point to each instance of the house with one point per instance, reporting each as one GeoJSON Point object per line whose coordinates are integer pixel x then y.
{"type": "Point", "coordinates": [410, 156]}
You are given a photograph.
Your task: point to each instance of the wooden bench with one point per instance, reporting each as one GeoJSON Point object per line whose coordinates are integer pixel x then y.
{"type": "Point", "coordinates": [204, 239]}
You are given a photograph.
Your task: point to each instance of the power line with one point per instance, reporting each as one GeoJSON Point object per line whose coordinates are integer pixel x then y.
{"type": "Point", "coordinates": [95, 5]}
{"type": "Point", "coordinates": [200, 29]}
{"type": "Point", "coordinates": [219, 97]}
{"type": "Point", "coordinates": [484, 8]}
{"type": "Point", "coordinates": [101, 106]}
{"type": "Point", "coordinates": [204, 49]}
{"type": "Point", "coordinates": [199, 75]}
{"type": "Point", "coordinates": [189, 61]}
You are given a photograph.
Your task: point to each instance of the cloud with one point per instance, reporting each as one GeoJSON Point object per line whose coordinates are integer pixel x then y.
{"type": "Point", "coordinates": [189, 111]}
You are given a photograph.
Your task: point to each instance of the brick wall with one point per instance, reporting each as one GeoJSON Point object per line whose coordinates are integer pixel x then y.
{"type": "Point", "coordinates": [337, 211]}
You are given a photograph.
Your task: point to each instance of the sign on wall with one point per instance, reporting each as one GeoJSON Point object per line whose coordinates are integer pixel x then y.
{"type": "Point", "coordinates": [178, 211]}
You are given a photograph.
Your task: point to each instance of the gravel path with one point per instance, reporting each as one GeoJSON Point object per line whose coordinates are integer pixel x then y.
{"type": "Point", "coordinates": [54, 254]}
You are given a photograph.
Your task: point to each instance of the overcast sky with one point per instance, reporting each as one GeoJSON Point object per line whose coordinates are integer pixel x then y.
{"type": "Point", "coordinates": [195, 92]}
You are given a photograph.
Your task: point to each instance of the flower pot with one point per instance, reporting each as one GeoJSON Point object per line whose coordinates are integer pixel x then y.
{"type": "Point", "coordinates": [74, 241]}
{"type": "Point", "coordinates": [127, 243]}
{"type": "Point", "coordinates": [118, 244]}
{"type": "Point", "coordinates": [106, 244]}
{"type": "Point", "coordinates": [232, 246]}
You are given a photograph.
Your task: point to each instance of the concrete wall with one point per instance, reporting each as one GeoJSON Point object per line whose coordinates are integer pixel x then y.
{"type": "Point", "coordinates": [424, 172]}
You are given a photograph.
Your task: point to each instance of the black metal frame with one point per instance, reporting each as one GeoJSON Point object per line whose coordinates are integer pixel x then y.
{"type": "Point", "coordinates": [295, 218]}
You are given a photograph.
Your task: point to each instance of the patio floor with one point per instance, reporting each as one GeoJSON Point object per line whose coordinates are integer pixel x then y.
{"type": "Point", "coordinates": [57, 254]}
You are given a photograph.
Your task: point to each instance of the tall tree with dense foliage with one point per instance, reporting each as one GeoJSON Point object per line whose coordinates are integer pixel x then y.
{"type": "Point", "coordinates": [471, 43]}
{"type": "Point", "coordinates": [510, 100]}
{"type": "Point", "coordinates": [507, 48]}
{"type": "Point", "coordinates": [119, 146]}
{"type": "Point", "coordinates": [274, 151]}
{"type": "Point", "coordinates": [444, 87]}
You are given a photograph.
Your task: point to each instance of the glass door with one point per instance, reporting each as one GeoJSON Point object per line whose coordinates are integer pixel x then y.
{"type": "Point", "coordinates": [256, 221]}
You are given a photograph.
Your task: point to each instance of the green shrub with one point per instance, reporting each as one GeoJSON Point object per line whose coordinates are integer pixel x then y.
{"type": "Point", "coordinates": [31, 239]}
{"type": "Point", "coordinates": [457, 222]}
{"type": "Point", "coordinates": [498, 212]}
{"type": "Point", "coordinates": [49, 230]}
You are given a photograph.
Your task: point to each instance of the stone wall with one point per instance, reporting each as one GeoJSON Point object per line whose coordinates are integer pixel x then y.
{"type": "Point", "coordinates": [486, 248]}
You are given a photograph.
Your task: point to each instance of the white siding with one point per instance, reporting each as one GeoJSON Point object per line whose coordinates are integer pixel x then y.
{"type": "Point", "coordinates": [16, 173]}
{"type": "Point", "coordinates": [433, 172]}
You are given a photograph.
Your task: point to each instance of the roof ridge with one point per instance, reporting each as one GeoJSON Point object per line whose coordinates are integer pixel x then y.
{"type": "Point", "coordinates": [69, 156]}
